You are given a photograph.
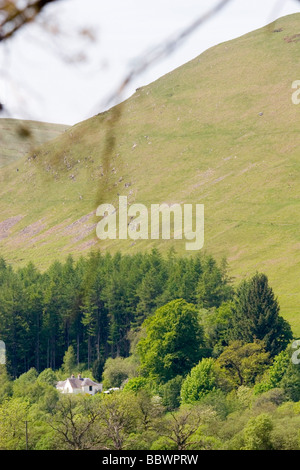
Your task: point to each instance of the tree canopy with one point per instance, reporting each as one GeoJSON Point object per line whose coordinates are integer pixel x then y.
{"type": "Point", "coordinates": [172, 342]}
{"type": "Point", "coordinates": [256, 316]}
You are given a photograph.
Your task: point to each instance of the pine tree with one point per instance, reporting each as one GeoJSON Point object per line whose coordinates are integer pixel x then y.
{"type": "Point", "coordinates": [256, 316]}
{"type": "Point", "coordinates": [213, 286]}
{"type": "Point", "coordinates": [89, 320]}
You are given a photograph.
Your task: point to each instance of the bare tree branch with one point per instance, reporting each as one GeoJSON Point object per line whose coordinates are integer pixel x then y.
{"type": "Point", "coordinates": [13, 18]}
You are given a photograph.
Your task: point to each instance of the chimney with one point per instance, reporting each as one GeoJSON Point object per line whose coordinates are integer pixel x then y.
{"type": "Point", "coordinates": [79, 376]}
{"type": "Point", "coordinates": [72, 376]}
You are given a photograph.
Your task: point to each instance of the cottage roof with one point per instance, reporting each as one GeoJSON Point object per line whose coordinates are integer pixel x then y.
{"type": "Point", "coordinates": [77, 383]}
{"type": "Point", "coordinates": [88, 382]}
{"type": "Point", "coordinates": [61, 383]}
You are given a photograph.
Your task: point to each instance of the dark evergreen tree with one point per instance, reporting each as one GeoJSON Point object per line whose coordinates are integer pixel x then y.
{"type": "Point", "coordinates": [32, 282]}
{"type": "Point", "coordinates": [98, 368]}
{"type": "Point", "coordinates": [13, 324]}
{"type": "Point", "coordinates": [256, 316]}
{"type": "Point", "coordinates": [213, 287]}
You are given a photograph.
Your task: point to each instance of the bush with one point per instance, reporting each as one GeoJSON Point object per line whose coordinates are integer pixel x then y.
{"type": "Point", "coordinates": [201, 380]}
{"type": "Point", "coordinates": [257, 433]}
{"type": "Point", "coordinates": [135, 384]}
{"type": "Point", "coordinates": [117, 370]}
{"type": "Point", "coordinates": [48, 376]}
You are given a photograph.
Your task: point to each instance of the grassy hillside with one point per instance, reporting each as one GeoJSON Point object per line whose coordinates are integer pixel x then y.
{"type": "Point", "coordinates": [17, 137]}
{"type": "Point", "coordinates": [221, 130]}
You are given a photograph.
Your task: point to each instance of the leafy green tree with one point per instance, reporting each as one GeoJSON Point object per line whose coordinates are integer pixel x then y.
{"type": "Point", "coordinates": [275, 396]}
{"type": "Point", "coordinates": [274, 375]}
{"type": "Point", "coordinates": [135, 384]}
{"type": "Point", "coordinates": [48, 376]}
{"type": "Point", "coordinates": [117, 370]}
{"type": "Point", "coordinates": [217, 326]}
{"type": "Point", "coordinates": [200, 381]}
{"type": "Point", "coordinates": [224, 403]}
{"type": "Point", "coordinates": [242, 362]}
{"type": "Point", "coordinates": [5, 383]}
{"type": "Point", "coordinates": [256, 316]}
{"type": "Point", "coordinates": [257, 433]}
{"type": "Point", "coordinates": [170, 393]}
{"type": "Point", "coordinates": [23, 385]}
{"type": "Point", "coordinates": [291, 381]}
{"type": "Point", "coordinates": [172, 342]}
{"type": "Point", "coordinates": [30, 388]}
{"type": "Point", "coordinates": [69, 361]}
{"type": "Point", "coordinates": [13, 417]}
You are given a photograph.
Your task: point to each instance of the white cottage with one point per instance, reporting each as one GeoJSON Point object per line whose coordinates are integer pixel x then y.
{"type": "Point", "coordinates": [79, 385]}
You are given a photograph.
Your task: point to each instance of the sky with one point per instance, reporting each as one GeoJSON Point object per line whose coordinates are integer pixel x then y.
{"type": "Point", "coordinates": [54, 71]}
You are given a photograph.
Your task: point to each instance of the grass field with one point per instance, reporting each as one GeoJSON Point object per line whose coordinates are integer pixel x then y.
{"type": "Point", "coordinates": [221, 130]}
{"type": "Point", "coordinates": [17, 137]}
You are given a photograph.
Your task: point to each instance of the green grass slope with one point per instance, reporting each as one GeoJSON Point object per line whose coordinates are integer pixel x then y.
{"type": "Point", "coordinates": [221, 130]}
{"type": "Point", "coordinates": [18, 137]}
